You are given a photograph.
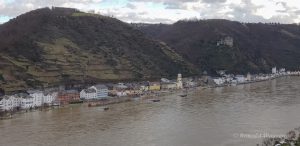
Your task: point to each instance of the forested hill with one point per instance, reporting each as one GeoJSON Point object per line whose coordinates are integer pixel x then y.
{"type": "Point", "coordinates": [55, 46]}
{"type": "Point", "coordinates": [233, 46]}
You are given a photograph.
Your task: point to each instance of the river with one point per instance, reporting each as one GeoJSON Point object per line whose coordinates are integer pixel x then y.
{"type": "Point", "coordinates": [207, 117]}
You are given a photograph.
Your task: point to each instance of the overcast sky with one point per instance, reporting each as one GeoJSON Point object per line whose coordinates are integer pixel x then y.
{"type": "Point", "coordinates": [168, 11]}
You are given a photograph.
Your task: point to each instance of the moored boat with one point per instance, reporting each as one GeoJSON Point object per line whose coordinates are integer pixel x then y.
{"type": "Point", "coordinates": [76, 102]}
{"type": "Point", "coordinates": [94, 104]}
{"type": "Point", "coordinates": [55, 104]}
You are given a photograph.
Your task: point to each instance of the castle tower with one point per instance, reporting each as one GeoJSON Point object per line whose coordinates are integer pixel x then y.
{"type": "Point", "coordinates": [179, 81]}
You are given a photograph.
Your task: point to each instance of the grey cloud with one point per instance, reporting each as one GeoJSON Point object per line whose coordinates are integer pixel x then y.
{"type": "Point", "coordinates": [179, 4]}
{"type": "Point", "coordinates": [164, 1]}
{"type": "Point", "coordinates": [21, 6]}
{"type": "Point", "coordinates": [246, 12]}
{"type": "Point", "coordinates": [297, 12]}
{"type": "Point", "coordinates": [214, 1]}
{"type": "Point", "coordinates": [135, 17]}
{"type": "Point", "coordinates": [284, 4]}
{"type": "Point", "coordinates": [130, 6]}
{"type": "Point", "coordinates": [170, 4]}
{"type": "Point", "coordinates": [281, 11]}
{"type": "Point", "coordinates": [174, 5]}
{"type": "Point", "coordinates": [143, 13]}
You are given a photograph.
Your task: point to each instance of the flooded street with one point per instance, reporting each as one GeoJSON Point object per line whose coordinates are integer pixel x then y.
{"type": "Point", "coordinates": [208, 117]}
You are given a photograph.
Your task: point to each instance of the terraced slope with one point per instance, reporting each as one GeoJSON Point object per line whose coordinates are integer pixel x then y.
{"type": "Point", "coordinates": [56, 46]}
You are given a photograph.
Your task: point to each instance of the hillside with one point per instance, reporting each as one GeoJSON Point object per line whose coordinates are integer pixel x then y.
{"type": "Point", "coordinates": [227, 45]}
{"type": "Point", "coordinates": [48, 47]}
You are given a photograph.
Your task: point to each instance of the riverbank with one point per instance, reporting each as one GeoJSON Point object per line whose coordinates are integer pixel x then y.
{"type": "Point", "coordinates": [206, 117]}
{"type": "Point", "coordinates": [256, 80]}
{"type": "Point", "coordinates": [150, 95]}
{"type": "Point", "coordinates": [95, 103]}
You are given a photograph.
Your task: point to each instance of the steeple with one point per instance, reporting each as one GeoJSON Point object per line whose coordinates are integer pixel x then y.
{"type": "Point", "coordinates": [179, 81]}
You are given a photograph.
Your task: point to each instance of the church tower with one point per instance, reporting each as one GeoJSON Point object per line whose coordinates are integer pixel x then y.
{"type": "Point", "coordinates": [179, 81]}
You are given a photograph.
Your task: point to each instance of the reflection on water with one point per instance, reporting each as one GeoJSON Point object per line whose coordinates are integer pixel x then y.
{"type": "Point", "coordinates": [206, 117]}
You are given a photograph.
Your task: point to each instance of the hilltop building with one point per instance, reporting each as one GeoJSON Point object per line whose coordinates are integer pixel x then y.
{"type": "Point", "coordinates": [228, 41]}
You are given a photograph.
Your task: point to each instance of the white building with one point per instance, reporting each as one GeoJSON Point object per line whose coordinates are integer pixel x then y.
{"type": "Point", "coordinates": [240, 78]}
{"type": "Point", "coordinates": [27, 102]}
{"type": "Point", "coordinates": [121, 93]}
{"type": "Point", "coordinates": [88, 94]}
{"type": "Point", "coordinates": [41, 98]}
{"type": "Point", "coordinates": [37, 97]}
{"type": "Point", "coordinates": [282, 70]}
{"type": "Point", "coordinates": [49, 98]}
{"type": "Point", "coordinates": [179, 81]}
{"type": "Point", "coordinates": [274, 70]}
{"type": "Point", "coordinates": [10, 103]}
{"type": "Point", "coordinates": [101, 91]}
{"type": "Point", "coordinates": [144, 88]}
{"type": "Point", "coordinates": [1, 104]}
{"type": "Point", "coordinates": [189, 83]}
{"type": "Point", "coordinates": [219, 81]}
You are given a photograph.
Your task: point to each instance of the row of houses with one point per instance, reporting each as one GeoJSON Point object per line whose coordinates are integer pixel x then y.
{"type": "Point", "coordinates": [232, 79]}
{"type": "Point", "coordinates": [26, 100]}
{"type": "Point", "coordinates": [240, 79]}
{"type": "Point", "coordinates": [38, 98]}
{"type": "Point", "coordinates": [133, 89]}
{"type": "Point", "coordinates": [118, 90]}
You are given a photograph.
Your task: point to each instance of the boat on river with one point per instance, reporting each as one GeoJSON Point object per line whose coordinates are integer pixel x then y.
{"type": "Point", "coordinates": [155, 100]}
{"type": "Point", "coordinates": [183, 95]}
{"type": "Point", "coordinates": [76, 102]}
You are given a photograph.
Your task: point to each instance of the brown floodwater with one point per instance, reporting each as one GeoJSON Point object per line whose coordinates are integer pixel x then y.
{"type": "Point", "coordinates": [208, 117]}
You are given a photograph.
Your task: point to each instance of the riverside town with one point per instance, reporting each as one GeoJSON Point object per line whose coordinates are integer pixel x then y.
{"type": "Point", "coordinates": [149, 72]}
{"type": "Point", "coordinates": [105, 94]}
